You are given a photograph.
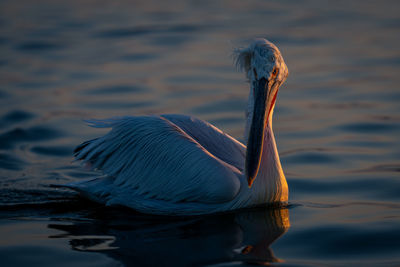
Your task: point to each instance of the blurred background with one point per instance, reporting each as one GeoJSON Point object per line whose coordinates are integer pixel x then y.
{"type": "Point", "coordinates": [336, 122]}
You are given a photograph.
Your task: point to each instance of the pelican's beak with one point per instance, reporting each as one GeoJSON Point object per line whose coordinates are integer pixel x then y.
{"type": "Point", "coordinates": [262, 105]}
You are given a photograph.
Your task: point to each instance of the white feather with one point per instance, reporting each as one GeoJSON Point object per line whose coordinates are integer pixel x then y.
{"type": "Point", "coordinates": [180, 165]}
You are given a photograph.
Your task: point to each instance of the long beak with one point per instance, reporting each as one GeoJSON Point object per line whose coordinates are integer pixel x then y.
{"type": "Point", "coordinates": [256, 136]}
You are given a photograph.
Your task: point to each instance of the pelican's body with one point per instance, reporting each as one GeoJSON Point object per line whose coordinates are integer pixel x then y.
{"type": "Point", "coordinates": [180, 165]}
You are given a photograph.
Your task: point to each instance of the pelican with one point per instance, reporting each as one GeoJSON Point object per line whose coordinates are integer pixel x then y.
{"type": "Point", "coordinates": [180, 165]}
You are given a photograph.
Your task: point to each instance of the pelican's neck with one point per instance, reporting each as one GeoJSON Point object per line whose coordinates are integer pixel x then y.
{"type": "Point", "coordinates": [270, 184]}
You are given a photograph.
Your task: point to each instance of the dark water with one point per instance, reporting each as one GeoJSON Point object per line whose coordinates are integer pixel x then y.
{"type": "Point", "coordinates": [337, 125]}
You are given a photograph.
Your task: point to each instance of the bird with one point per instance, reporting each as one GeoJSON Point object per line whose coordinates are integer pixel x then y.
{"type": "Point", "coordinates": [178, 165]}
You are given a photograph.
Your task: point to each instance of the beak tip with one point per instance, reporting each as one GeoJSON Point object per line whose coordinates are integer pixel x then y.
{"type": "Point", "coordinates": [250, 181]}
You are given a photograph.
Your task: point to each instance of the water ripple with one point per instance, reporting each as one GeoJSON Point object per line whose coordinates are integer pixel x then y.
{"type": "Point", "coordinates": [10, 162]}
{"type": "Point", "coordinates": [347, 240]}
{"type": "Point", "coordinates": [311, 158]}
{"type": "Point", "coordinates": [379, 168]}
{"type": "Point", "coordinates": [127, 32]}
{"type": "Point", "coordinates": [369, 127]}
{"type": "Point", "coordinates": [59, 151]}
{"type": "Point", "coordinates": [117, 89]}
{"type": "Point", "coordinates": [38, 46]}
{"type": "Point", "coordinates": [37, 133]}
{"type": "Point", "coordinates": [15, 116]}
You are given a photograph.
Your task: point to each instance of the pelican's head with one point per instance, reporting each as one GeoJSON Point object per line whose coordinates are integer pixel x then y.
{"type": "Point", "coordinates": [266, 71]}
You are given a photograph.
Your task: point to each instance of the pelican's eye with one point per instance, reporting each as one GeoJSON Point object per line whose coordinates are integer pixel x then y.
{"type": "Point", "coordinates": [274, 71]}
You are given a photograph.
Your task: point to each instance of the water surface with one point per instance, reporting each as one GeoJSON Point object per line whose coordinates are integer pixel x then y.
{"type": "Point", "coordinates": [337, 126]}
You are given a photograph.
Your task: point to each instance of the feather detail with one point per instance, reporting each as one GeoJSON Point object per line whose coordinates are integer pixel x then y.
{"type": "Point", "coordinates": [150, 157]}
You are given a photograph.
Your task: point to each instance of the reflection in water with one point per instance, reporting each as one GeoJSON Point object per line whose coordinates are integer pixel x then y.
{"type": "Point", "coordinates": [142, 240]}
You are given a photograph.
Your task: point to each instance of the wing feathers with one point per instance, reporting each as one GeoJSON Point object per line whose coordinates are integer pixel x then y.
{"type": "Point", "coordinates": [212, 139]}
{"type": "Point", "coordinates": [150, 157]}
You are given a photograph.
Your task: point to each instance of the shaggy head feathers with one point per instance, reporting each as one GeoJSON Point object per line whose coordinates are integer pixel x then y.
{"type": "Point", "coordinates": [260, 59]}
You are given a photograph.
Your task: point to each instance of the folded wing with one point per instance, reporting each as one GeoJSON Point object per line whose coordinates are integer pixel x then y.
{"type": "Point", "coordinates": [212, 139]}
{"type": "Point", "coordinates": [150, 157]}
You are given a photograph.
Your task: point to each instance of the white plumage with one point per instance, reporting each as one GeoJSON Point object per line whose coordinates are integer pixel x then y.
{"type": "Point", "coordinates": [180, 165]}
